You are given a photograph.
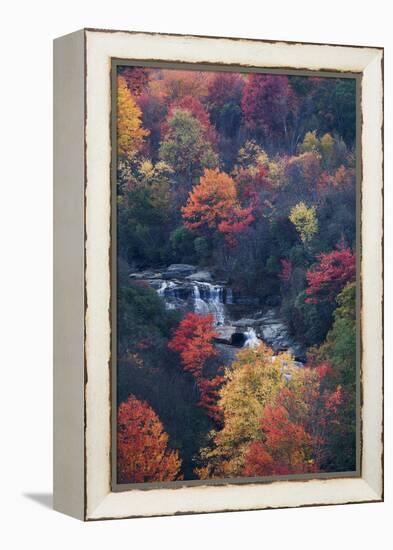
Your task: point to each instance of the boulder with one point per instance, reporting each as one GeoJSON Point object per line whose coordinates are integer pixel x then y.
{"type": "Point", "coordinates": [201, 276]}
{"type": "Point", "coordinates": [147, 275]}
{"type": "Point", "coordinates": [141, 275]}
{"type": "Point", "coordinates": [224, 334]}
{"type": "Point", "coordinates": [178, 271]}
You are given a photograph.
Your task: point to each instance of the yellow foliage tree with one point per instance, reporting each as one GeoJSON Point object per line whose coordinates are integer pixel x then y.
{"type": "Point", "coordinates": [310, 143]}
{"type": "Point", "coordinates": [305, 220]}
{"type": "Point", "coordinates": [130, 134]}
{"type": "Point", "coordinates": [326, 148]}
{"type": "Point", "coordinates": [252, 382]}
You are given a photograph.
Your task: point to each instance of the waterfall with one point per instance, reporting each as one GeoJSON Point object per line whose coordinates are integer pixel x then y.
{"type": "Point", "coordinates": [167, 291]}
{"type": "Point", "coordinates": [163, 287]}
{"type": "Point", "coordinates": [200, 306]}
{"type": "Point", "coordinates": [209, 298]}
{"type": "Point", "coordinates": [229, 296]}
{"type": "Point", "coordinates": [217, 304]}
{"type": "Point", "coordinates": [252, 340]}
{"type": "Point", "coordinates": [213, 297]}
{"type": "Point", "coordinates": [205, 298]}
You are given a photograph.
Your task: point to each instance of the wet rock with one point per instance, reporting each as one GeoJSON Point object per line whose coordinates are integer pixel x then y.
{"type": "Point", "coordinates": [247, 322]}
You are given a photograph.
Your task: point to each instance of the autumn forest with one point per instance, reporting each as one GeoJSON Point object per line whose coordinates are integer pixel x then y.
{"type": "Point", "coordinates": [236, 275]}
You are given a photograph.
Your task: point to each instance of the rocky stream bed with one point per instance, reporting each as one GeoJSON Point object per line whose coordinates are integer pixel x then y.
{"type": "Point", "coordinates": [241, 321]}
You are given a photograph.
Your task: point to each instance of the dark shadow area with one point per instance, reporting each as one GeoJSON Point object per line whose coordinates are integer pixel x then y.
{"type": "Point", "coordinates": [45, 499]}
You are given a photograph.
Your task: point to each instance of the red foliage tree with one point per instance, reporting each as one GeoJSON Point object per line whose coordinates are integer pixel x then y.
{"type": "Point", "coordinates": [258, 462]}
{"type": "Point", "coordinates": [334, 270]}
{"type": "Point", "coordinates": [193, 340]}
{"type": "Point", "coordinates": [284, 447]}
{"type": "Point", "coordinates": [224, 88]}
{"type": "Point", "coordinates": [142, 452]}
{"type": "Point", "coordinates": [287, 440]}
{"type": "Point", "coordinates": [209, 394]}
{"type": "Point", "coordinates": [236, 221]}
{"type": "Point", "coordinates": [268, 102]}
{"type": "Point", "coordinates": [223, 102]}
{"type": "Point", "coordinates": [137, 79]}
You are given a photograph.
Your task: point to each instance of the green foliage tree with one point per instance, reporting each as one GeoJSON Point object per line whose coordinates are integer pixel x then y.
{"type": "Point", "coordinates": [339, 350]}
{"type": "Point", "coordinates": [145, 212]}
{"type": "Point", "coordinates": [185, 147]}
{"type": "Point", "coordinates": [182, 243]}
{"type": "Point", "coordinates": [142, 318]}
{"type": "Point", "coordinates": [340, 346]}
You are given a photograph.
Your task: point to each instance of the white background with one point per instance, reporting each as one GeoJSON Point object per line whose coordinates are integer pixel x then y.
{"type": "Point", "coordinates": [28, 28]}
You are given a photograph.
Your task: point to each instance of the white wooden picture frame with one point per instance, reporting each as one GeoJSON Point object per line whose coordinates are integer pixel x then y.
{"type": "Point", "coordinates": [82, 257]}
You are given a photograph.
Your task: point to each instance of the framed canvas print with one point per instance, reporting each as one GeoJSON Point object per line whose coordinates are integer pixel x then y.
{"type": "Point", "coordinates": [218, 274]}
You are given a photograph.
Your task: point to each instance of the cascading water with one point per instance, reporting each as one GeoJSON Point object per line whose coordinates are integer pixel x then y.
{"type": "Point", "coordinates": [200, 306]}
{"type": "Point", "coordinates": [168, 290]}
{"type": "Point", "coordinates": [163, 287]}
{"type": "Point", "coordinates": [213, 297]}
{"type": "Point", "coordinates": [252, 340]}
{"type": "Point", "coordinates": [206, 298]}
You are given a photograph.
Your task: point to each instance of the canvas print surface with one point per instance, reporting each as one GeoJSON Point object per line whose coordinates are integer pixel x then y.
{"type": "Point", "coordinates": [236, 275]}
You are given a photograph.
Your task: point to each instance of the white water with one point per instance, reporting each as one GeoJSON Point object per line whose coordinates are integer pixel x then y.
{"type": "Point", "coordinates": [166, 288]}
{"type": "Point", "coordinates": [200, 306]}
{"type": "Point", "coordinates": [211, 301]}
{"type": "Point", "coordinates": [163, 287]}
{"type": "Point", "coordinates": [252, 340]}
{"type": "Point", "coordinates": [206, 298]}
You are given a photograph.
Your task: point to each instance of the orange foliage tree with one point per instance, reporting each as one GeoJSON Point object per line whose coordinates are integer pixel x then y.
{"type": "Point", "coordinates": [142, 452]}
{"type": "Point", "coordinates": [213, 206]}
{"type": "Point", "coordinates": [177, 84]}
